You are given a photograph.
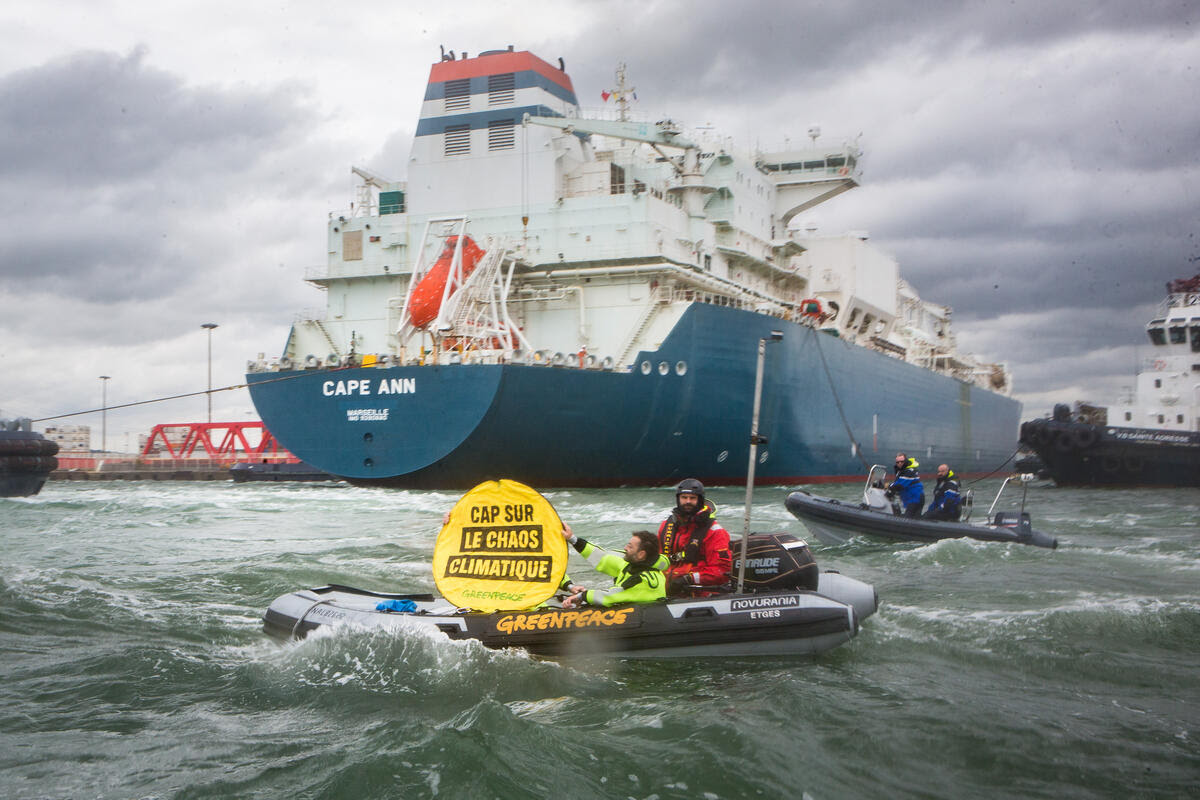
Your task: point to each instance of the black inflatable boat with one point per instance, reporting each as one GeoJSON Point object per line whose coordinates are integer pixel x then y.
{"type": "Point", "coordinates": [775, 615]}
{"type": "Point", "coordinates": [835, 521]}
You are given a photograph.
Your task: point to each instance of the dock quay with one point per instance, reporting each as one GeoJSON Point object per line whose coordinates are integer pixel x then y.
{"type": "Point", "coordinates": [141, 469]}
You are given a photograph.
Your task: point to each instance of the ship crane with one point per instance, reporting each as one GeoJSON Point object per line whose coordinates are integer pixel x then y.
{"type": "Point", "coordinates": [664, 133]}
{"type": "Point", "coordinates": [365, 203]}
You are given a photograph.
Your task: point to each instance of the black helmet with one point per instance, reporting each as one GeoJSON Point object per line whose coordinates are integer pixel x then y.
{"type": "Point", "coordinates": [692, 486]}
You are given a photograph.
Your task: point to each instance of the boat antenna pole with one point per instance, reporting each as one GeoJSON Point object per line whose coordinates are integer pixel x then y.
{"type": "Point", "coordinates": [755, 441]}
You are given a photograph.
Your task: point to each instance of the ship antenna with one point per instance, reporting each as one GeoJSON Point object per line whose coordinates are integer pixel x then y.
{"type": "Point", "coordinates": [623, 92]}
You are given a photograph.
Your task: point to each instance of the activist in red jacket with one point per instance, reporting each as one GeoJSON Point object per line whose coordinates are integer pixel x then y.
{"type": "Point", "coordinates": [693, 542]}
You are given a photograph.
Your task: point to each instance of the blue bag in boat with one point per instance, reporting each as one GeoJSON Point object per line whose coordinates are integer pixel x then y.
{"type": "Point", "coordinates": [403, 606]}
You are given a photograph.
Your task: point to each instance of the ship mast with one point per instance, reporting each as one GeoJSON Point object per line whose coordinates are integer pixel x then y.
{"type": "Point", "coordinates": [622, 94]}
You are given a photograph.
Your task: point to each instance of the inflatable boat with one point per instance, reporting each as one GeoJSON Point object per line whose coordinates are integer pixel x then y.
{"type": "Point", "coordinates": [775, 614]}
{"type": "Point", "coordinates": [835, 521]}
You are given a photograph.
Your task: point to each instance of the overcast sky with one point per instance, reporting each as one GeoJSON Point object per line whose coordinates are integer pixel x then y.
{"type": "Point", "coordinates": [1033, 165]}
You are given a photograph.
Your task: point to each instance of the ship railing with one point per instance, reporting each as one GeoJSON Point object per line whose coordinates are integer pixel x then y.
{"type": "Point", "coordinates": [354, 269]}
{"type": "Point", "coordinates": [1177, 300]}
{"type": "Point", "coordinates": [1155, 364]}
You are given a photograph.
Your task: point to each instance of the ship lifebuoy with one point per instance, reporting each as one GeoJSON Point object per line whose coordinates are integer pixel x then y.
{"type": "Point", "coordinates": [1159, 364]}
{"type": "Point", "coordinates": [844, 171]}
{"type": "Point", "coordinates": [811, 307]}
{"type": "Point", "coordinates": [1084, 437]}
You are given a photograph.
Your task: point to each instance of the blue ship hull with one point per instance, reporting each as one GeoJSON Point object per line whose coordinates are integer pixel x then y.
{"type": "Point", "coordinates": [450, 427]}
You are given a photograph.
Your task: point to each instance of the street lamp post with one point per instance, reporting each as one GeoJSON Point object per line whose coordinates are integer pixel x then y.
{"type": "Point", "coordinates": [755, 441]}
{"type": "Point", "coordinates": [209, 327]}
{"type": "Point", "coordinates": [104, 379]}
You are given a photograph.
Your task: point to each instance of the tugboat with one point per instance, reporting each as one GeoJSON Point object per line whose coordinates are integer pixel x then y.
{"type": "Point", "coordinates": [26, 458]}
{"type": "Point", "coordinates": [1152, 436]}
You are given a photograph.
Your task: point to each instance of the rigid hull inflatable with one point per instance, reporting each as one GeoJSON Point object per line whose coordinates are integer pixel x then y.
{"type": "Point", "coordinates": [835, 521]}
{"type": "Point", "coordinates": [795, 622]}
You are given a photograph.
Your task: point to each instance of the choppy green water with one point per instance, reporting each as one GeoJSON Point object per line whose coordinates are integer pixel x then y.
{"type": "Point", "coordinates": [132, 664]}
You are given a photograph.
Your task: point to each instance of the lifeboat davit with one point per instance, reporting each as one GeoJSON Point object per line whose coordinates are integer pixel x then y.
{"type": "Point", "coordinates": [426, 298]}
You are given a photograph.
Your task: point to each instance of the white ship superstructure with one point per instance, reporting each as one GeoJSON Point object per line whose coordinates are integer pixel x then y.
{"type": "Point", "coordinates": [609, 227]}
{"type": "Point", "coordinates": [573, 299]}
{"type": "Point", "coordinates": [1167, 393]}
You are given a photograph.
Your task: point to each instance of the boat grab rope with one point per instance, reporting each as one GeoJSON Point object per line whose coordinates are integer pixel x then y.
{"type": "Point", "coordinates": [837, 400]}
{"type": "Point", "coordinates": [300, 619]}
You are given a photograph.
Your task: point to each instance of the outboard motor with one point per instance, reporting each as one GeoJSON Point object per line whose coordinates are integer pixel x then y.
{"type": "Point", "coordinates": [775, 561]}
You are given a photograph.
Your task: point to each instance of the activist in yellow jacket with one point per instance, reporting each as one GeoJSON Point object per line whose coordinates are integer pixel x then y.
{"type": "Point", "coordinates": [637, 577]}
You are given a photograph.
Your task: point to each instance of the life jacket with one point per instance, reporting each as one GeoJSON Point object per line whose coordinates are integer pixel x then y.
{"type": "Point", "coordinates": [693, 551]}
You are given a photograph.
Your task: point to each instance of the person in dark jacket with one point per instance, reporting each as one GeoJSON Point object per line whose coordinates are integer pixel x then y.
{"type": "Point", "coordinates": [637, 577]}
{"type": "Point", "coordinates": [907, 485]}
{"type": "Point", "coordinates": [694, 544]}
{"type": "Point", "coordinates": [947, 502]}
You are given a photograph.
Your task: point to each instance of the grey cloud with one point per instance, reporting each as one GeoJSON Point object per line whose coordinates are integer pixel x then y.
{"type": "Point", "coordinates": [708, 48]}
{"type": "Point", "coordinates": [103, 158]}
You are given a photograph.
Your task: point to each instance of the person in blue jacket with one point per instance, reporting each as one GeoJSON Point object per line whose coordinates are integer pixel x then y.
{"type": "Point", "coordinates": [947, 502]}
{"type": "Point", "coordinates": [907, 485]}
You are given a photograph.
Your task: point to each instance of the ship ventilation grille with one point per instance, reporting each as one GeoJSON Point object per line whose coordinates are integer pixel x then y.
{"type": "Point", "coordinates": [458, 140]}
{"type": "Point", "coordinates": [458, 95]}
{"type": "Point", "coordinates": [501, 134]}
{"type": "Point", "coordinates": [500, 89]}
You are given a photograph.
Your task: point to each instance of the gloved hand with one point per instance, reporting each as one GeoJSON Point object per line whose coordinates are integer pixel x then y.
{"type": "Point", "coordinates": [678, 584]}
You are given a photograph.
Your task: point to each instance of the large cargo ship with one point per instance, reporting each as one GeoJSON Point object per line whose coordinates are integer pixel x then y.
{"type": "Point", "coordinates": [1151, 435]}
{"type": "Point", "coordinates": [571, 300]}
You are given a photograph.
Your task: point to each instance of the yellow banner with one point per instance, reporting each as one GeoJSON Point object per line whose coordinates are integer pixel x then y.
{"type": "Point", "coordinates": [502, 549]}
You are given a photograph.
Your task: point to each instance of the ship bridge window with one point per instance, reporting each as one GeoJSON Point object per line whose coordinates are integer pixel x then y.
{"type": "Point", "coordinates": [458, 140]}
{"type": "Point", "coordinates": [1157, 335]}
{"type": "Point", "coordinates": [616, 179]}
{"type": "Point", "coordinates": [501, 134]}
{"type": "Point", "coordinates": [1196, 338]}
{"type": "Point", "coordinates": [500, 89]}
{"type": "Point", "coordinates": [391, 202]}
{"type": "Point", "coordinates": [1178, 334]}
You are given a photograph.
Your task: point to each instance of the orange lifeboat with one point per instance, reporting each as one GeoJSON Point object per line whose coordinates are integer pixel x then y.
{"type": "Point", "coordinates": [426, 298]}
